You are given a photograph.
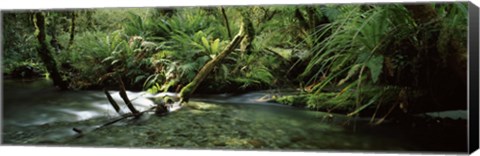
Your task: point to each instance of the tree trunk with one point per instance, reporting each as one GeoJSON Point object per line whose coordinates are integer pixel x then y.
{"type": "Point", "coordinates": [312, 17]}
{"type": "Point", "coordinates": [302, 21]}
{"type": "Point", "coordinates": [72, 30]}
{"type": "Point", "coordinates": [421, 13]}
{"type": "Point", "coordinates": [440, 67]}
{"type": "Point", "coordinates": [226, 22]}
{"type": "Point", "coordinates": [246, 46]}
{"type": "Point", "coordinates": [425, 14]}
{"type": "Point", "coordinates": [52, 30]}
{"type": "Point", "coordinates": [45, 54]}
{"type": "Point", "coordinates": [208, 67]}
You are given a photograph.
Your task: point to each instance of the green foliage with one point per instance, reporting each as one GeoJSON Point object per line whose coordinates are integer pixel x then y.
{"type": "Point", "coordinates": [111, 53]}
{"type": "Point", "coordinates": [254, 73]}
{"type": "Point", "coordinates": [366, 51]}
{"type": "Point", "coordinates": [148, 27]}
{"type": "Point", "coordinates": [191, 44]}
{"type": "Point", "coordinates": [333, 102]}
{"type": "Point", "coordinates": [19, 44]}
{"type": "Point", "coordinates": [361, 40]}
{"type": "Point", "coordinates": [130, 58]}
{"type": "Point", "coordinates": [109, 20]}
{"type": "Point", "coordinates": [354, 40]}
{"type": "Point", "coordinates": [87, 60]}
{"type": "Point", "coordinates": [454, 21]}
{"type": "Point", "coordinates": [293, 100]}
{"type": "Point", "coordinates": [189, 55]}
{"type": "Point", "coordinates": [358, 39]}
{"type": "Point", "coordinates": [330, 101]}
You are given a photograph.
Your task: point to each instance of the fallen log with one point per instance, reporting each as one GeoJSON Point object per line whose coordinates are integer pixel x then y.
{"type": "Point", "coordinates": [208, 67]}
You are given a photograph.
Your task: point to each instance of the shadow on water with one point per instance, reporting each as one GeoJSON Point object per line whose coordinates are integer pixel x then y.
{"type": "Point", "coordinates": [35, 113]}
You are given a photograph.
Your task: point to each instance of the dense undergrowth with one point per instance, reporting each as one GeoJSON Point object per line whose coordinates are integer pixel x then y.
{"type": "Point", "coordinates": [378, 59]}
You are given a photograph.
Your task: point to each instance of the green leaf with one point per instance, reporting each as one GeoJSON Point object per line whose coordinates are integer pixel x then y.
{"type": "Point", "coordinates": [225, 71]}
{"type": "Point", "coordinates": [375, 65]}
{"type": "Point", "coordinates": [138, 78]}
{"type": "Point", "coordinates": [362, 57]}
{"type": "Point", "coordinates": [370, 102]}
{"type": "Point", "coordinates": [215, 46]}
{"type": "Point", "coordinates": [107, 59]}
{"type": "Point", "coordinates": [115, 61]}
{"type": "Point", "coordinates": [198, 46]}
{"type": "Point", "coordinates": [351, 72]}
{"type": "Point", "coordinates": [205, 43]}
{"type": "Point", "coordinates": [150, 80]}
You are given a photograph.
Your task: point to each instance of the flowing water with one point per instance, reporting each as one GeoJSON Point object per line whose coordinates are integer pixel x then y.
{"type": "Point", "coordinates": [34, 113]}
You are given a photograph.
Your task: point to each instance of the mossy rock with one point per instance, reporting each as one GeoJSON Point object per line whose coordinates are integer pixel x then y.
{"type": "Point", "coordinates": [26, 71]}
{"type": "Point", "coordinates": [322, 101]}
{"type": "Point", "coordinates": [161, 110]}
{"type": "Point", "coordinates": [293, 100]}
{"type": "Point", "coordinates": [256, 143]}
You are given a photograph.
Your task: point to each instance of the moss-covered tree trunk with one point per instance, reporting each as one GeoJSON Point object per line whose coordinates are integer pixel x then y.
{"type": "Point", "coordinates": [72, 30]}
{"type": "Point", "coordinates": [421, 13]}
{"type": "Point", "coordinates": [301, 20]}
{"type": "Point", "coordinates": [246, 46]}
{"type": "Point", "coordinates": [443, 69]}
{"type": "Point", "coordinates": [187, 91]}
{"type": "Point", "coordinates": [51, 28]}
{"type": "Point", "coordinates": [45, 54]}
{"type": "Point", "coordinates": [456, 56]}
{"type": "Point", "coordinates": [454, 50]}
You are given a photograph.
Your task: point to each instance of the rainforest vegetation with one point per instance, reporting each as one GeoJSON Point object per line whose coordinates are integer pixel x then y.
{"type": "Point", "coordinates": [380, 59]}
{"type": "Point", "coordinates": [373, 60]}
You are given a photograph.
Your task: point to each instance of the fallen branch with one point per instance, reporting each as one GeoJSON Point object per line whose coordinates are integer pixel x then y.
{"type": "Point", "coordinates": [112, 102]}
{"type": "Point", "coordinates": [124, 116]}
{"type": "Point", "coordinates": [134, 112]}
{"type": "Point", "coordinates": [124, 96]}
{"type": "Point", "coordinates": [208, 67]}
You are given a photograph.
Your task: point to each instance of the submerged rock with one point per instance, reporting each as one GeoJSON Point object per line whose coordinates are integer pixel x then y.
{"type": "Point", "coordinates": [166, 103]}
{"type": "Point", "coordinates": [26, 71]}
{"type": "Point", "coordinates": [161, 109]}
{"type": "Point", "coordinates": [256, 143]}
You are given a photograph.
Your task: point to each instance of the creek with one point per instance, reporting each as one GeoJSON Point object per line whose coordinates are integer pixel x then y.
{"type": "Point", "coordinates": [34, 113]}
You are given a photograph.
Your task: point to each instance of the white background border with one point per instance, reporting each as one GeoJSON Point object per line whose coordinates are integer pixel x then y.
{"type": "Point", "coordinates": [74, 151]}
